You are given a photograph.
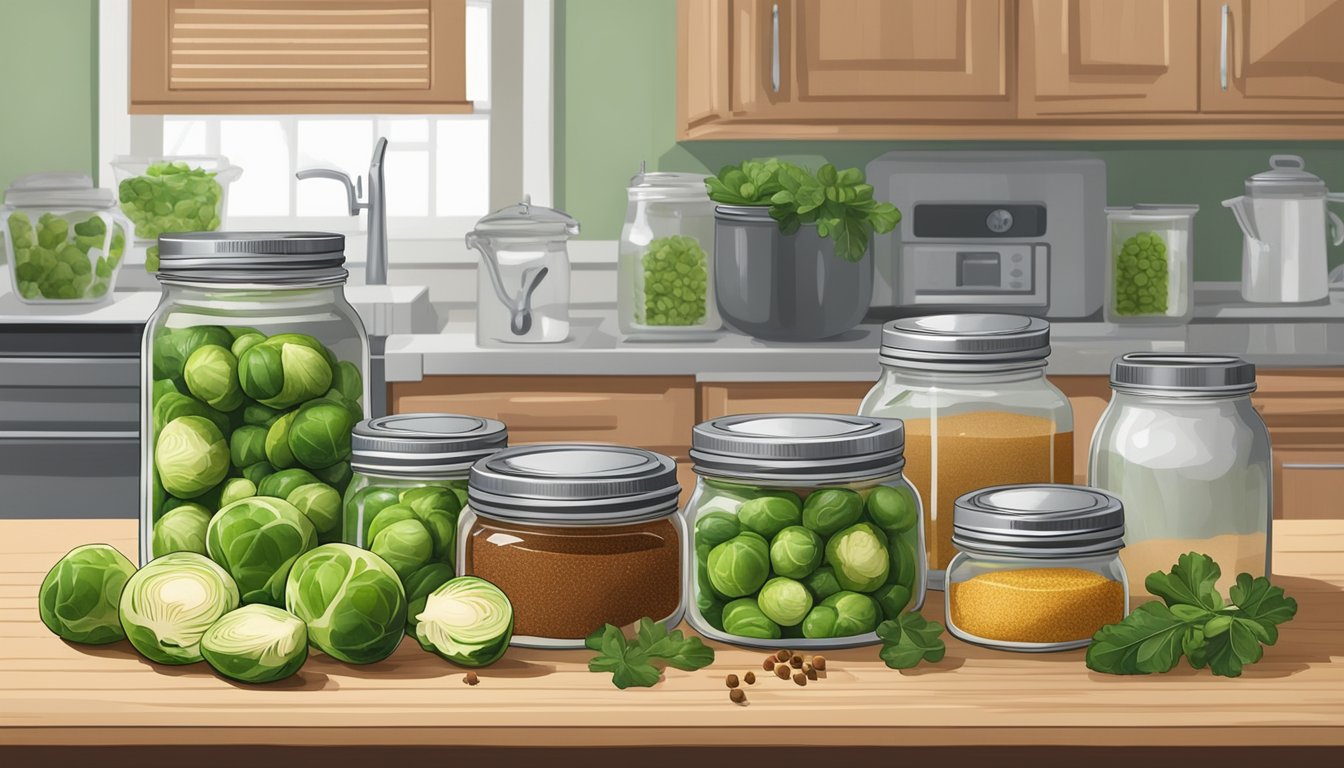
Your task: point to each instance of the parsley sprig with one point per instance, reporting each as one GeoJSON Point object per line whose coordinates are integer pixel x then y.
{"type": "Point", "coordinates": [910, 639]}
{"type": "Point", "coordinates": [631, 662]}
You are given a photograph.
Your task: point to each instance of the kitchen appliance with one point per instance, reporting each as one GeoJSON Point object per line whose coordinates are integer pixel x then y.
{"type": "Point", "coordinates": [1022, 232]}
{"type": "Point", "coordinates": [1283, 217]}
{"type": "Point", "coordinates": [522, 294]}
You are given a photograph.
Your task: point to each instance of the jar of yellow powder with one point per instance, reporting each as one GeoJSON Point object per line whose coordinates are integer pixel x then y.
{"type": "Point", "coordinates": [1037, 568]}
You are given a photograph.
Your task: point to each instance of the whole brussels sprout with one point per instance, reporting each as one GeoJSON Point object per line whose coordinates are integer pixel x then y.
{"type": "Point", "coordinates": [257, 540]}
{"type": "Point", "coordinates": [347, 381]}
{"type": "Point", "coordinates": [406, 545]}
{"type": "Point", "coordinates": [744, 618]}
{"type": "Point", "coordinates": [173, 405]}
{"type": "Point", "coordinates": [321, 504]}
{"type": "Point", "coordinates": [245, 342]}
{"type": "Point", "coordinates": [467, 621]}
{"type": "Point", "coordinates": [739, 566]}
{"type": "Point", "coordinates": [257, 473]}
{"type": "Point", "coordinates": [338, 475]}
{"type": "Point", "coordinates": [795, 552]}
{"type": "Point", "coordinates": [256, 644]}
{"type": "Point", "coordinates": [894, 510]}
{"type": "Point", "coordinates": [784, 601]}
{"type": "Point", "coordinates": [236, 489]}
{"type": "Point", "coordinates": [172, 347]}
{"type": "Point", "coordinates": [364, 506]}
{"type": "Point", "coordinates": [430, 497]}
{"type": "Point", "coordinates": [78, 598]}
{"type": "Point", "coordinates": [768, 515]}
{"type": "Point", "coordinates": [319, 435]}
{"type": "Point", "coordinates": [162, 387]}
{"type": "Point", "coordinates": [285, 370]}
{"type": "Point", "coordinates": [859, 556]}
{"type": "Point", "coordinates": [822, 583]}
{"type": "Point", "coordinates": [170, 603]}
{"type": "Point", "coordinates": [191, 456]}
{"type": "Point", "coordinates": [892, 599]}
{"type": "Point", "coordinates": [181, 529]}
{"type": "Point", "coordinates": [388, 516]}
{"type": "Point", "coordinates": [715, 528]}
{"type": "Point", "coordinates": [258, 415]}
{"type": "Point", "coordinates": [829, 510]}
{"type": "Point", "coordinates": [418, 586]}
{"type": "Point", "coordinates": [709, 605]}
{"type": "Point", "coordinates": [820, 622]}
{"type": "Point", "coordinates": [278, 485]}
{"type": "Point", "coordinates": [904, 562]}
{"type": "Point", "coordinates": [856, 614]}
{"type": "Point", "coordinates": [211, 374]}
{"type": "Point", "coordinates": [247, 445]}
{"type": "Point", "coordinates": [277, 448]}
{"type": "Point", "coordinates": [351, 600]}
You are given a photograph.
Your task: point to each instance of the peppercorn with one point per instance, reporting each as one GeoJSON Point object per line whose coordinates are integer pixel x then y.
{"type": "Point", "coordinates": [737, 696]}
{"type": "Point", "coordinates": [800, 678]}
{"type": "Point", "coordinates": [783, 654]}
{"type": "Point", "coordinates": [471, 678]}
{"type": "Point", "coordinates": [796, 661]}
{"type": "Point", "coordinates": [782, 671]}
{"type": "Point", "coordinates": [811, 673]}
{"type": "Point", "coordinates": [769, 664]}
{"type": "Point", "coordinates": [819, 662]}
{"type": "Point", "coordinates": [730, 681]}
{"type": "Point", "coordinates": [749, 678]}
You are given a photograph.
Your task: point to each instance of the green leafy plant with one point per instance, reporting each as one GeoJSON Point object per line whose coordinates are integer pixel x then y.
{"type": "Point", "coordinates": [910, 639]}
{"type": "Point", "coordinates": [1194, 621]}
{"type": "Point", "coordinates": [631, 662]}
{"type": "Point", "coordinates": [840, 203]}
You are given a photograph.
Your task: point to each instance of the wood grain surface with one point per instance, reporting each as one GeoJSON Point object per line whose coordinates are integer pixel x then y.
{"type": "Point", "coordinates": [52, 693]}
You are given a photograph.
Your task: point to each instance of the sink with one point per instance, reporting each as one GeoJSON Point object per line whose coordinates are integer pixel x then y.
{"type": "Point", "coordinates": [393, 309]}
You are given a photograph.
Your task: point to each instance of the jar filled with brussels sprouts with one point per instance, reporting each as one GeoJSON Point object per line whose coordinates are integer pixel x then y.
{"type": "Point", "coordinates": [804, 528]}
{"type": "Point", "coordinates": [255, 372]}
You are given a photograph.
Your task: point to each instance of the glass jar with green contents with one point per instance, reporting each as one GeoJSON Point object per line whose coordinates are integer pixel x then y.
{"type": "Point", "coordinates": [665, 268]}
{"type": "Point", "coordinates": [1149, 270]}
{"type": "Point", "coordinates": [803, 528]}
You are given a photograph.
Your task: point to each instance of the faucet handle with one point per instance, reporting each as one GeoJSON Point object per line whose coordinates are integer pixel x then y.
{"type": "Point", "coordinates": [352, 199]}
{"type": "Point", "coordinates": [359, 187]}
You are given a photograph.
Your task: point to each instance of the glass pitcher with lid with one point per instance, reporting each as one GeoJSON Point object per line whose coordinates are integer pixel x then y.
{"type": "Point", "coordinates": [522, 295]}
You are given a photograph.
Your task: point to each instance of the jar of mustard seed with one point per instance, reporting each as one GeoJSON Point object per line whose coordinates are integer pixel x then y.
{"type": "Point", "coordinates": [578, 536]}
{"type": "Point", "coordinates": [1037, 568]}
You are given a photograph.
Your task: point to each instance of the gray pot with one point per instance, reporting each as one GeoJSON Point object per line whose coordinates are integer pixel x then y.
{"type": "Point", "coordinates": [781, 287]}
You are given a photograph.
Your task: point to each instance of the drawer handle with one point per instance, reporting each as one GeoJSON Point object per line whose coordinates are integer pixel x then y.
{"type": "Point", "coordinates": [1222, 48]}
{"type": "Point", "coordinates": [774, 48]}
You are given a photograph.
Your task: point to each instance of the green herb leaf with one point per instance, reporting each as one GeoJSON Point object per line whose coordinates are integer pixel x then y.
{"type": "Point", "coordinates": [631, 664]}
{"type": "Point", "coordinates": [909, 640]}
{"type": "Point", "coordinates": [1148, 640]}
{"type": "Point", "coordinates": [1263, 604]}
{"type": "Point", "coordinates": [1191, 582]}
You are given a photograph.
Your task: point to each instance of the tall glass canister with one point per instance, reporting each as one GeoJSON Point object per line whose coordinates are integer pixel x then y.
{"type": "Point", "coordinates": [254, 371]}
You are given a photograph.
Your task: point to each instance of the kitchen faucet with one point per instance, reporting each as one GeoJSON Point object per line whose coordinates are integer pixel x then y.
{"type": "Point", "coordinates": [375, 265]}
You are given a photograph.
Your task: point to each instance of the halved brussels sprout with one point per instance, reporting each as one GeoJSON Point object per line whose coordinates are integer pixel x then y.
{"type": "Point", "coordinates": [744, 618]}
{"type": "Point", "coordinates": [191, 456]}
{"type": "Point", "coordinates": [256, 644]}
{"type": "Point", "coordinates": [418, 586]}
{"type": "Point", "coordinates": [319, 435]}
{"type": "Point", "coordinates": [768, 515]}
{"type": "Point", "coordinates": [211, 374]}
{"type": "Point", "coordinates": [321, 504]}
{"type": "Point", "coordinates": [827, 511]}
{"type": "Point", "coordinates": [467, 621]}
{"type": "Point", "coordinates": [795, 552]}
{"type": "Point", "coordinates": [859, 556]}
{"type": "Point", "coordinates": [170, 603]}
{"type": "Point", "coordinates": [351, 600]}
{"type": "Point", "coordinates": [181, 529]}
{"type": "Point", "coordinates": [856, 614]}
{"type": "Point", "coordinates": [257, 540]}
{"type": "Point", "coordinates": [78, 598]}
{"type": "Point", "coordinates": [739, 566]}
{"type": "Point", "coordinates": [784, 601]}
{"type": "Point", "coordinates": [894, 510]}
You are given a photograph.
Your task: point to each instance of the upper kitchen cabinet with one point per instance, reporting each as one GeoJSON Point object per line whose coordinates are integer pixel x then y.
{"type": "Point", "coordinates": [1270, 56]}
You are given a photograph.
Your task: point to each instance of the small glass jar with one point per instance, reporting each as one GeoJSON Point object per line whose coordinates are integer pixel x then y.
{"type": "Point", "coordinates": [1037, 568]}
{"type": "Point", "coordinates": [1182, 445]}
{"type": "Point", "coordinates": [392, 455]}
{"type": "Point", "coordinates": [578, 536]}
{"type": "Point", "coordinates": [805, 530]}
{"type": "Point", "coordinates": [1150, 274]}
{"type": "Point", "coordinates": [978, 411]}
{"type": "Point", "coordinates": [252, 339]}
{"type": "Point", "coordinates": [665, 267]}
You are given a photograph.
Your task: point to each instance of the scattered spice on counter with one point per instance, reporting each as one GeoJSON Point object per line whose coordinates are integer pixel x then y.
{"type": "Point", "coordinates": [783, 654]}
{"type": "Point", "coordinates": [1036, 605]}
{"type": "Point", "coordinates": [471, 678]}
{"type": "Point", "coordinates": [749, 678]}
{"type": "Point", "coordinates": [782, 671]}
{"type": "Point", "coordinates": [769, 663]}
{"type": "Point", "coordinates": [737, 696]}
{"type": "Point", "coordinates": [730, 681]}
{"type": "Point", "coordinates": [819, 662]}
{"type": "Point", "coordinates": [800, 678]}
{"type": "Point", "coordinates": [796, 662]}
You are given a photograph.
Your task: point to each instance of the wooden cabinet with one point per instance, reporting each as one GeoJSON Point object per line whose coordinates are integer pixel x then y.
{"type": "Point", "coordinates": [1270, 56]}
{"type": "Point", "coordinates": [722, 399]}
{"type": "Point", "coordinates": [1304, 411]}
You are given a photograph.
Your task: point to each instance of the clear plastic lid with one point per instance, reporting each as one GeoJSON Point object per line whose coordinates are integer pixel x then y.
{"type": "Point", "coordinates": [58, 190]}
{"type": "Point", "coordinates": [526, 220]}
{"type": "Point", "coordinates": [1287, 177]}
{"type": "Point", "coordinates": [1152, 212]}
{"type": "Point", "coordinates": [668, 185]}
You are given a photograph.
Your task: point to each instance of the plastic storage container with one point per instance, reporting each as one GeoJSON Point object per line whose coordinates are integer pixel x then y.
{"type": "Point", "coordinates": [1182, 446]}
{"type": "Point", "coordinates": [186, 193]}
{"type": "Point", "coordinates": [411, 469]}
{"type": "Point", "coordinates": [64, 237]}
{"type": "Point", "coordinates": [254, 372]}
{"type": "Point", "coordinates": [666, 262]}
{"type": "Point", "coordinates": [577, 536]}
{"type": "Point", "coordinates": [1038, 567]}
{"type": "Point", "coordinates": [522, 293]}
{"type": "Point", "coordinates": [978, 411]}
{"type": "Point", "coordinates": [804, 528]}
{"type": "Point", "coordinates": [1150, 272]}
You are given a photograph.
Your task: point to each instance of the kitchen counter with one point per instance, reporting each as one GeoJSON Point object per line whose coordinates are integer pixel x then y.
{"type": "Point", "coordinates": [53, 695]}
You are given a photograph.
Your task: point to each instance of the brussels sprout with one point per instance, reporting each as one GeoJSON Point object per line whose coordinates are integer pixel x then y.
{"type": "Point", "coordinates": [162, 387]}
{"type": "Point", "coordinates": [321, 504]}
{"type": "Point", "coordinates": [715, 528]}
{"type": "Point", "coordinates": [354, 409]}
{"type": "Point", "coordinates": [257, 473]}
{"type": "Point", "coordinates": [856, 614]}
{"type": "Point", "coordinates": [211, 374]}
{"type": "Point", "coordinates": [351, 600]}
{"type": "Point", "coordinates": [319, 435]}
{"type": "Point", "coordinates": [257, 540]}
{"type": "Point", "coordinates": [904, 563]}
{"type": "Point", "coordinates": [710, 606]}
{"type": "Point", "coordinates": [822, 583]}
{"type": "Point", "coordinates": [467, 621]}
{"type": "Point", "coordinates": [172, 405]}
{"type": "Point", "coordinates": [245, 342]}
{"type": "Point", "coordinates": [739, 566]}
{"type": "Point", "coordinates": [79, 596]}
{"type": "Point", "coordinates": [859, 556]}
{"type": "Point", "coordinates": [768, 515]}
{"type": "Point", "coordinates": [820, 622]}
{"type": "Point", "coordinates": [744, 618]}
{"type": "Point", "coordinates": [784, 601]}
{"type": "Point", "coordinates": [397, 513]}
{"type": "Point", "coordinates": [418, 586]}
{"type": "Point", "coordinates": [191, 456]}
{"type": "Point", "coordinates": [406, 545]}
{"type": "Point", "coordinates": [892, 599]}
{"type": "Point", "coordinates": [171, 602]}
{"type": "Point", "coordinates": [337, 475]}
{"type": "Point", "coordinates": [894, 510]}
{"type": "Point", "coordinates": [285, 370]}
{"type": "Point", "coordinates": [181, 529]}
{"type": "Point", "coordinates": [430, 497]}
{"type": "Point", "coordinates": [346, 380]}
{"type": "Point", "coordinates": [829, 510]}
{"type": "Point", "coordinates": [247, 445]}
{"type": "Point", "coordinates": [279, 485]}
{"type": "Point", "coordinates": [172, 347]}
{"type": "Point", "coordinates": [795, 552]}
{"type": "Point", "coordinates": [277, 442]}
{"type": "Point", "coordinates": [365, 505]}
{"type": "Point", "coordinates": [256, 644]}
{"type": "Point", "coordinates": [258, 415]}
{"type": "Point", "coordinates": [236, 489]}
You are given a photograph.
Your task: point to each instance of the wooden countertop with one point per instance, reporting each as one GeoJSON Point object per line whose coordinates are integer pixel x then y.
{"type": "Point", "coordinates": [56, 694]}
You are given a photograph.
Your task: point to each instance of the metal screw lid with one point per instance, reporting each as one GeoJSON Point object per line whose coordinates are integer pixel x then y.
{"type": "Point", "coordinates": [1046, 521]}
{"type": "Point", "coordinates": [941, 341]}
{"type": "Point", "coordinates": [802, 447]}
{"type": "Point", "coordinates": [423, 444]}
{"type": "Point", "coordinates": [574, 484]}
{"type": "Point", "coordinates": [1182, 375]}
{"type": "Point", "coordinates": [298, 258]}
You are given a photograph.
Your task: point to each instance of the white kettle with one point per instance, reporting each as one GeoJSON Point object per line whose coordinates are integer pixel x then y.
{"type": "Point", "coordinates": [1284, 219]}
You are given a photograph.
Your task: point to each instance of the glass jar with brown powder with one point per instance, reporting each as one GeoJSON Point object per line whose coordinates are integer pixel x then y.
{"type": "Point", "coordinates": [577, 536]}
{"type": "Point", "coordinates": [978, 411]}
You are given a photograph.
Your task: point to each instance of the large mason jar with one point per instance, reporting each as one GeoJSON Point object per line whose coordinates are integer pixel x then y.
{"type": "Point", "coordinates": [978, 411]}
{"type": "Point", "coordinates": [666, 260]}
{"type": "Point", "coordinates": [254, 370]}
{"type": "Point", "coordinates": [803, 528]}
{"type": "Point", "coordinates": [1181, 445]}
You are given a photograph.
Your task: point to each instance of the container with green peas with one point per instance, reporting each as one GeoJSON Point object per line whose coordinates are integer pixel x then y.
{"type": "Point", "coordinates": [1149, 264]}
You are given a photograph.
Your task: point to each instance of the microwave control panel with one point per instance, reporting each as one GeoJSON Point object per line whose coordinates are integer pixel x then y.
{"type": "Point", "coordinates": [975, 273]}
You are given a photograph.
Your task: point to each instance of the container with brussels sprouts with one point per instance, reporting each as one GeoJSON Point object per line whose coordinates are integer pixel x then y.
{"type": "Point", "coordinates": [172, 194]}
{"type": "Point", "coordinates": [804, 530]}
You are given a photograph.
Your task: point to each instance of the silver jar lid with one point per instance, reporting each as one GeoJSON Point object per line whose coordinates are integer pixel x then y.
{"type": "Point", "coordinates": [574, 484]}
{"type": "Point", "coordinates": [1182, 375]}
{"type": "Point", "coordinates": [1046, 521]}
{"type": "Point", "coordinates": [423, 444]}
{"type": "Point", "coordinates": [281, 258]}
{"type": "Point", "coordinates": [807, 448]}
{"type": "Point", "coordinates": [964, 342]}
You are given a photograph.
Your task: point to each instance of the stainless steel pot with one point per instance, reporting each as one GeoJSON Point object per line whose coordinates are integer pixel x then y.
{"type": "Point", "coordinates": [780, 287]}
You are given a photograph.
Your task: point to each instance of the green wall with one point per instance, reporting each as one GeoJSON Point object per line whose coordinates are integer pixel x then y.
{"type": "Point", "coordinates": [615, 106]}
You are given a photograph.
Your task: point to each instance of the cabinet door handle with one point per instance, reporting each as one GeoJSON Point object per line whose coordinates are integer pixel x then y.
{"type": "Point", "coordinates": [1295, 465]}
{"type": "Point", "coordinates": [1222, 48]}
{"type": "Point", "coordinates": [774, 48]}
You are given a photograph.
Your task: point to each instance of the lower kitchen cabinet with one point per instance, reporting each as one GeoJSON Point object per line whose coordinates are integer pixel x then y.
{"type": "Point", "coordinates": [723, 399]}
{"type": "Point", "coordinates": [1304, 411]}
